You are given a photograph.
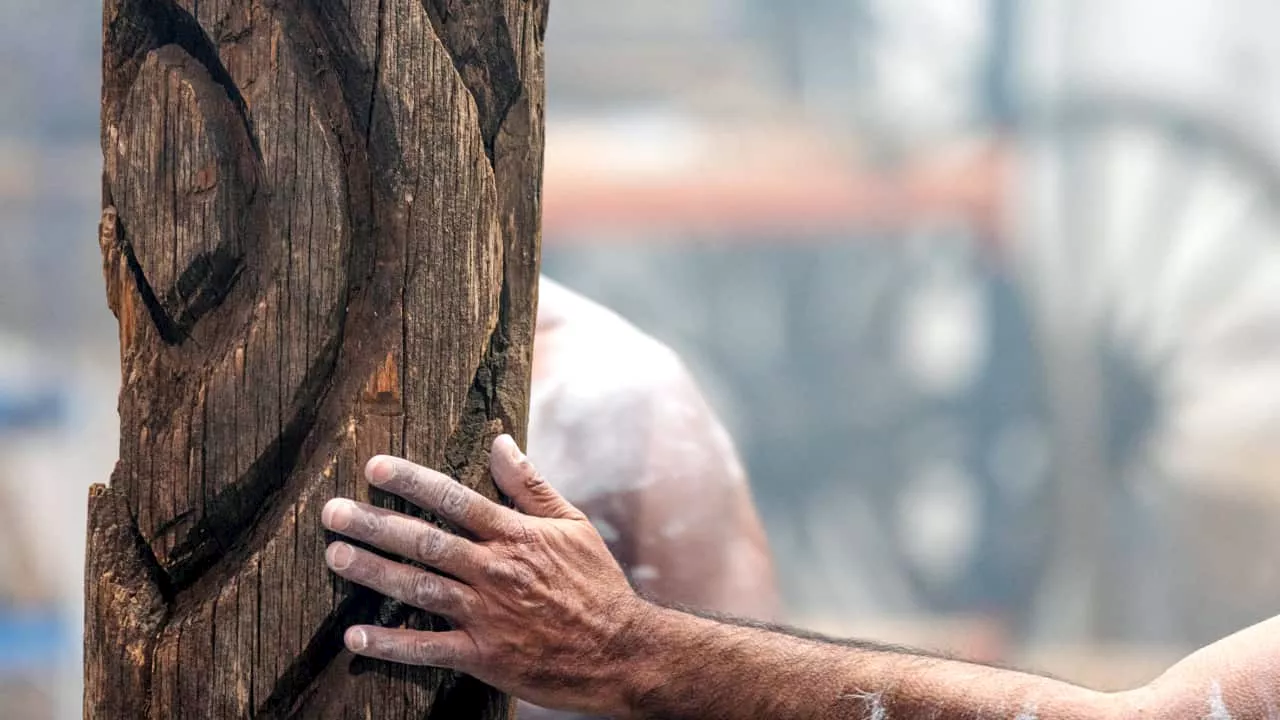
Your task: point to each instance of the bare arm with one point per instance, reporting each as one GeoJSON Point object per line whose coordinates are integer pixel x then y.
{"type": "Point", "coordinates": [1237, 678]}
{"type": "Point", "coordinates": [732, 671]}
{"type": "Point", "coordinates": [697, 537]}
{"type": "Point", "coordinates": [543, 612]}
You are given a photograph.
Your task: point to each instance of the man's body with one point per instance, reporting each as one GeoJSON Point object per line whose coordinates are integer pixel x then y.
{"type": "Point", "coordinates": [617, 420]}
{"type": "Point", "coordinates": [618, 423]}
{"type": "Point", "coordinates": [542, 611]}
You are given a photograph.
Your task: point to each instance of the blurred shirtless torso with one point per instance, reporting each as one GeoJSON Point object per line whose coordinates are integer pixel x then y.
{"type": "Point", "coordinates": [618, 426]}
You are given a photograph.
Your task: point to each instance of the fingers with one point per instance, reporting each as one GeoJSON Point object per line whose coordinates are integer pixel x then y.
{"type": "Point", "coordinates": [520, 480]}
{"type": "Point", "coordinates": [402, 535]}
{"type": "Point", "coordinates": [440, 494]}
{"type": "Point", "coordinates": [452, 649]}
{"type": "Point", "coordinates": [407, 584]}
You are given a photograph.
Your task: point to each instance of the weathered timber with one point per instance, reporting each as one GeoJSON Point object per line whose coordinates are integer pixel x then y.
{"type": "Point", "coordinates": [320, 238]}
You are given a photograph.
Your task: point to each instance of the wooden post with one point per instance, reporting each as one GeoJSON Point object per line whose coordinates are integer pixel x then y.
{"type": "Point", "coordinates": [320, 239]}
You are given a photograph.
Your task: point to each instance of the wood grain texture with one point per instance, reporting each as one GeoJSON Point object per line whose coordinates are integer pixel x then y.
{"type": "Point", "coordinates": [320, 238]}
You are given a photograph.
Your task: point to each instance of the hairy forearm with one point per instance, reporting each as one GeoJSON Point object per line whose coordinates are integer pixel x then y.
{"type": "Point", "coordinates": [691, 667]}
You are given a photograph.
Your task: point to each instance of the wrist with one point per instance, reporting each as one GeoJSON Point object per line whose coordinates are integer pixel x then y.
{"type": "Point", "coordinates": [634, 651]}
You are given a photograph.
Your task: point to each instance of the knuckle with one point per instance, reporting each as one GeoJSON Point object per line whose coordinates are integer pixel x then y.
{"type": "Point", "coordinates": [514, 530]}
{"type": "Point", "coordinates": [503, 572]}
{"type": "Point", "coordinates": [525, 535]}
{"type": "Point", "coordinates": [454, 500]}
{"type": "Point", "coordinates": [524, 578]}
{"type": "Point", "coordinates": [426, 652]}
{"type": "Point", "coordinates": [410, 481]}
{"type": "Point", "coordinates": [467, 603]}
{"type": "Point", "coordinates": [527, 471]}
{"type": "Point", "coordinates": [432, 545]}
{"type": "Point", "coordinates": [423, 591]}
{"type": "Point", "coordinates": [417, 652]}
{"type": "Point", "coordinates": [450, 599]}
{"type": "Point", "coordinates": [366, 571]}
{"type": "Point", "coordinates": [387, 646]}
{"type": "Point", "coordinates": [534, 482]}
{"type": "Point", "coordinates": [512, 575]}
{"type": "Point", "coordinates": [370, 523]}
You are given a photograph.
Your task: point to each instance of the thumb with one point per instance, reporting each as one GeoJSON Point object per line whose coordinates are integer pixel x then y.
{"type": "Point", "coordinates": [521, 481]}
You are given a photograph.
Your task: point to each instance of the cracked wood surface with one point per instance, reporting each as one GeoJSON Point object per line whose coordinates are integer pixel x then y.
{"type": "Point", "coordinates": [320, 239]}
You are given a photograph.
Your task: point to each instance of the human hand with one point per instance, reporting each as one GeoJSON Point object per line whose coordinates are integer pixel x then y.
{"type": "Point", "coordinates": [538, 606]}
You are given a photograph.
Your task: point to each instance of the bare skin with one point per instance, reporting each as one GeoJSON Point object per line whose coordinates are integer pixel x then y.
{"type": "Point", "coordinates": [620, 424]}
{"type": "Point", "coordinates": [541, 610]}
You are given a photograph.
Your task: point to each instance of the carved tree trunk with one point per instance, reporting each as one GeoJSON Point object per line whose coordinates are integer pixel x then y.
{"type": "Point", "coordinates": [320, 238]}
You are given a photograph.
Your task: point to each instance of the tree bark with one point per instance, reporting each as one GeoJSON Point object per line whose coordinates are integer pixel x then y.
{"type": "Point", "coordinates": [320, 238]}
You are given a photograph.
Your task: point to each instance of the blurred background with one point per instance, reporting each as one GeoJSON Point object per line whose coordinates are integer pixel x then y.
{"type": "Point", "coordinates": [987, 291]}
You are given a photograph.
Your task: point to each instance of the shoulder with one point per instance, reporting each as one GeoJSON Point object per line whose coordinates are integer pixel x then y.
{"type": "Point", "coordinates": [608, 401]}
{"type": "Point", "coordinates": [601, 399]}
{"type": "Point", "coordinates": [588, 351]}
{"type": "Point", "coordinates": [604, 390]}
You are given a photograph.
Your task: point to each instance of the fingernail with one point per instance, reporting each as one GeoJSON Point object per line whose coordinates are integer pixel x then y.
{"type": "Point", "coordinates": [356, 639]}
{"type": "Point", "coordinates": [337, 514]}
{"type": "Point", "coordinates": [380, 470]}
{"type": "Point", "coordinates": [339, 555]}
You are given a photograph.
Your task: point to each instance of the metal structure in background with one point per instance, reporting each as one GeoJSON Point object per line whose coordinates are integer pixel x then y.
{"type": "Point", "coordinates": [1141, 254]}
{"type": "Point", "coordinates": [1149, 251]}
{"type": "Point", "coordinates": [1146, 228]}
{"type": "Point", "coordinates": [885, 395]}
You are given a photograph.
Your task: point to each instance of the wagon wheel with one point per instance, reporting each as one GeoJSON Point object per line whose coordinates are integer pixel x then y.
{"type": "Point", "coordinates": [1150, 252]}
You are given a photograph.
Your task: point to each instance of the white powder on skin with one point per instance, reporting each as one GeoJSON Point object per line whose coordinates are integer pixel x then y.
{"type": "Point", "coordinates": [645, 573]}
{"type": "Point", "coordinates": [600, 385]}
{"type": "Point", "coordinates": [872, 702]}
{"type": "Point", "coordinates": [674, 529]}
{"type": "Point", "coordinates": [1217, 706]}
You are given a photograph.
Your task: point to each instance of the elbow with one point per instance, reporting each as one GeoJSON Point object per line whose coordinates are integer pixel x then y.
{"type": "Point", "coordinates": [1162, 699]}
{"type": "Point", "coordinates": [1139, 703]}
